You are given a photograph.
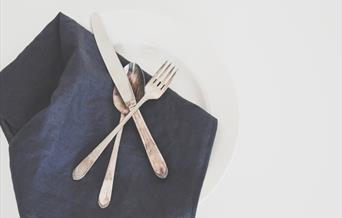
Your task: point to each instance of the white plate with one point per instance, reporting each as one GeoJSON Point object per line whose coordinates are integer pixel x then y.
{"type": "Point", "coordinates": [149, 39]}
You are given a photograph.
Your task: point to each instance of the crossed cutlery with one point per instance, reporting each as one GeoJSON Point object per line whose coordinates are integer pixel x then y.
{"type": "Point", "coordinates": [126, 101]}
{"type": "Point", "coordinates": [154, 89]}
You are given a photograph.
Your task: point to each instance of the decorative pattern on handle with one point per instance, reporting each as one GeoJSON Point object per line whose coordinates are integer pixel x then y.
{"type": "Point", "coordinates": [155, 157]}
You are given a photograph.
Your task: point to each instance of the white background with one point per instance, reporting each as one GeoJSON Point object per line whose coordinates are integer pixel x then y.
{"type": "Point", "coordinates": [285, 59]}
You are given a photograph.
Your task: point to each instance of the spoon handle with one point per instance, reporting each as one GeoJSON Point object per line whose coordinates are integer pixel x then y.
{"type": "Point", "coordinates": [84, 166]}
{"type": "Point", "coordinates": [107, 185]}
{"type": "Point", "coordinates": [155, 157]}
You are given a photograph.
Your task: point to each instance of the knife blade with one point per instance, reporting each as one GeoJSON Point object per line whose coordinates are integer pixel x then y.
{"type": "Point", "coordinates": [112, 62]}
{"type": "Point", "coordinates": [123, 85]}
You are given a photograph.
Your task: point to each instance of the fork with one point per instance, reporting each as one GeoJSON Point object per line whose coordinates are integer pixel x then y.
{"type": "Point", "coordinates": [154, 89]}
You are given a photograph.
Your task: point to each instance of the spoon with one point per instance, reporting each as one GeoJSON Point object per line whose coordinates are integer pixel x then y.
{"type": "Point", "coordinates": [137, 80]}
{"type": "Point", "coordinates": [154, 89]}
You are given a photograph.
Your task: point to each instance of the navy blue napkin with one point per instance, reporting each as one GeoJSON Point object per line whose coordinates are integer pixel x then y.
{"type": "Point", "coordinates": [56, 105]}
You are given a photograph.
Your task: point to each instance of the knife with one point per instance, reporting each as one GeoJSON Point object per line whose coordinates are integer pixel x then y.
{"type": "Point", "coordinates": [122, 83]}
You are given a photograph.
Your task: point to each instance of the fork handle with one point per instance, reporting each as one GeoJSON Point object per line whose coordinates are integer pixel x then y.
{"type": "Point", "coordinates": [155, 157]}
{"type": "Point", "coordinates": [84, 166]}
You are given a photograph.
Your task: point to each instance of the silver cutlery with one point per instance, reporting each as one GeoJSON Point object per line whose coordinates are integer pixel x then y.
{"type": "Point", "coordinates": [137, 80]}
{"type": "Point", "coordinates": [154, 89]}
{"type": "Point", "coordinates": [121, 81]}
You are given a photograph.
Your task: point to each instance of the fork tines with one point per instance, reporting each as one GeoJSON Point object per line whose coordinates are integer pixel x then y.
{"type": "Point", "coordinates": [165, 74]}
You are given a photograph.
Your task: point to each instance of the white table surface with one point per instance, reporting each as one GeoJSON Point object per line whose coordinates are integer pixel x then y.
{"type": "Point", "coordinates": [285, 59]}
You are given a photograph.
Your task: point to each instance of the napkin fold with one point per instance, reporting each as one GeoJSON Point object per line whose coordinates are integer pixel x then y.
{"type": "Point", "coordinates": [56, 105]}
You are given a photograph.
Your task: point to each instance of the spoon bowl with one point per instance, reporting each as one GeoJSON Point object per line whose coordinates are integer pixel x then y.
{"type": "Point", "coordinates": [137, 80]}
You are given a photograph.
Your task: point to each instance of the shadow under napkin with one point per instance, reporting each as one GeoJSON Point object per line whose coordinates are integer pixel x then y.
{"type": "Point", "coordinates": [56, 105]}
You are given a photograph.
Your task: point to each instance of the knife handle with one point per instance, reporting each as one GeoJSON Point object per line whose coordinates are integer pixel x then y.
{"type": "Point", "coordinates": [155, 157]}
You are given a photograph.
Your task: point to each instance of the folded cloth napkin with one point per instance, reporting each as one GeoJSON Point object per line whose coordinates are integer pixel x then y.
{"type": "Point", "coordinates": [56, 105]}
